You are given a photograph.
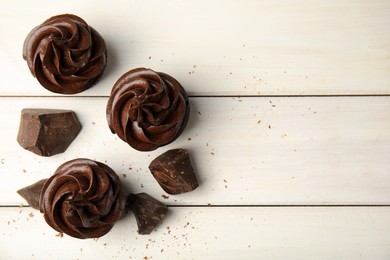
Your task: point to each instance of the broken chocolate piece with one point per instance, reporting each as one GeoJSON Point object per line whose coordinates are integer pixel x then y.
{"type": "Point", "coordinates": [47, 131]}
{"type": "Point", "coordinates": [174, 172]}
{"type": "Point", "coordinates": [148, 211]}
{"type": "Point", "coordinates": [32, 193]}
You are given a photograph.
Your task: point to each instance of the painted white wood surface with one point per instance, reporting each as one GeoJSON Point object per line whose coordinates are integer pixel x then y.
{"type": "Point", "coordinates": [245, 150]}
{"type": "Point", "coordinates": [221, 47]}
{"type": "Point", "coordinates": [212, 233]}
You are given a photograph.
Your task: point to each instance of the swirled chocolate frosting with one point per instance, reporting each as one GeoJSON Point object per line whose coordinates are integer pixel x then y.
{"type": "Point", "coordinates": [147, 109]}
{"type": "Point", "coordinates": [65, 54]}
{"type": "Point", "coordinates": [83, 199]}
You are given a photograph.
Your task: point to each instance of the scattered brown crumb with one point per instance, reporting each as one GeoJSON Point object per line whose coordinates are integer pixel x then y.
{"type": "Point", "coordinates": [60, 234]}
{"type": "Point", "coordinates": [269, 126]}
{"type": "Point", "coordinates": [142, 185]}
{"type": "Point", "coordinates": [31, 215]}
{"type": "Point", "coordinates": [93, 123]}
{"type": "Point", "coordinates": [165, 197]}
{"type": "Point", "coordinates": [162, 250]}
{"type": "Point", "coordinates": [2, 161]}
{"type": "Point", "coordinates": [189, 138]}
{"type": "Point", "coordinates": [225, 181]}
{"type": "Point", "coordinates": [258, 122]}
{"type": "Point", "coordinates": [150, 57]}
{"type": "Point", "coordinates": [212, 153]}
{"type": "Point", "coordinates": [24, 171]}
{"type": "Point", "coordinates": [124, 175]}
{"type": "Point", "coordinates": [199, 113]}
{"type": "Point", "coordinates": [225, 186]}
{"type": "Point", "coordinates": [208, 204]}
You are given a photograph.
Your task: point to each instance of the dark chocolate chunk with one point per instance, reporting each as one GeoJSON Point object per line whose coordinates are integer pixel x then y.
{"type": "Point", "coordinates": [173, 171]}
{"type": "Point", "coordinates": [47, 131]}
{"type": "Point", "coordinates": [32, 193]}
{"type": "Point", "coordinates": [148, 211]}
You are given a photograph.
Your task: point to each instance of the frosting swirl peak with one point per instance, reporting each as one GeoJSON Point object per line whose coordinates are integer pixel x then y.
{"type": "Point", "coordinates": [147, 109]}
{"type": "Point", "coordinates": [83, 199]}
{"type": "Point", "coordinates": [65, 54]}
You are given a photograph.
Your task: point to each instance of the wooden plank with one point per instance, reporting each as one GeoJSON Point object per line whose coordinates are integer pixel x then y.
{"type": "Point", "coordinates": [212, 233]}
{"type": "Point", "coordinates": [217, 48]}
{"type": "Point", "coordinates": [246, 151]}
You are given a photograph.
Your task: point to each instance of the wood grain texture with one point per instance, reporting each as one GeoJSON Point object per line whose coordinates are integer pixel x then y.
{"type": "Point", "coordinates": [221, 47]}
{"type": "Point", "coordinates": [246, 151]}
{"type": "Point", "coordinates": [255, 157]}
{"type": "Point", "coordinates": [212, 233]}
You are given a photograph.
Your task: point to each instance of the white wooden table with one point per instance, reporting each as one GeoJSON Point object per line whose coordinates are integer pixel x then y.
{"type": "Point", "coordinates": [289, 130]}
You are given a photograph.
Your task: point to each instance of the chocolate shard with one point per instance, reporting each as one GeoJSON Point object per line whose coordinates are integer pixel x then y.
{"type": "Point", "coordinates": [148, 211]}
{"type": "Point", "coordinates": [47, 132]}
{"type": "Point", "coordinates": [173, 171]}
{"type": "Point", "coordinates": [32, 193]}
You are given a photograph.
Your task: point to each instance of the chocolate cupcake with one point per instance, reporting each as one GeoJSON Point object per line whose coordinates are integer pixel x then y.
{"type": "Point", "coordinates": [65, 54]}
{"type": "Point", "coordinates": [147, 109]}
{"type": "Point", "coordinates": [83, 199]}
